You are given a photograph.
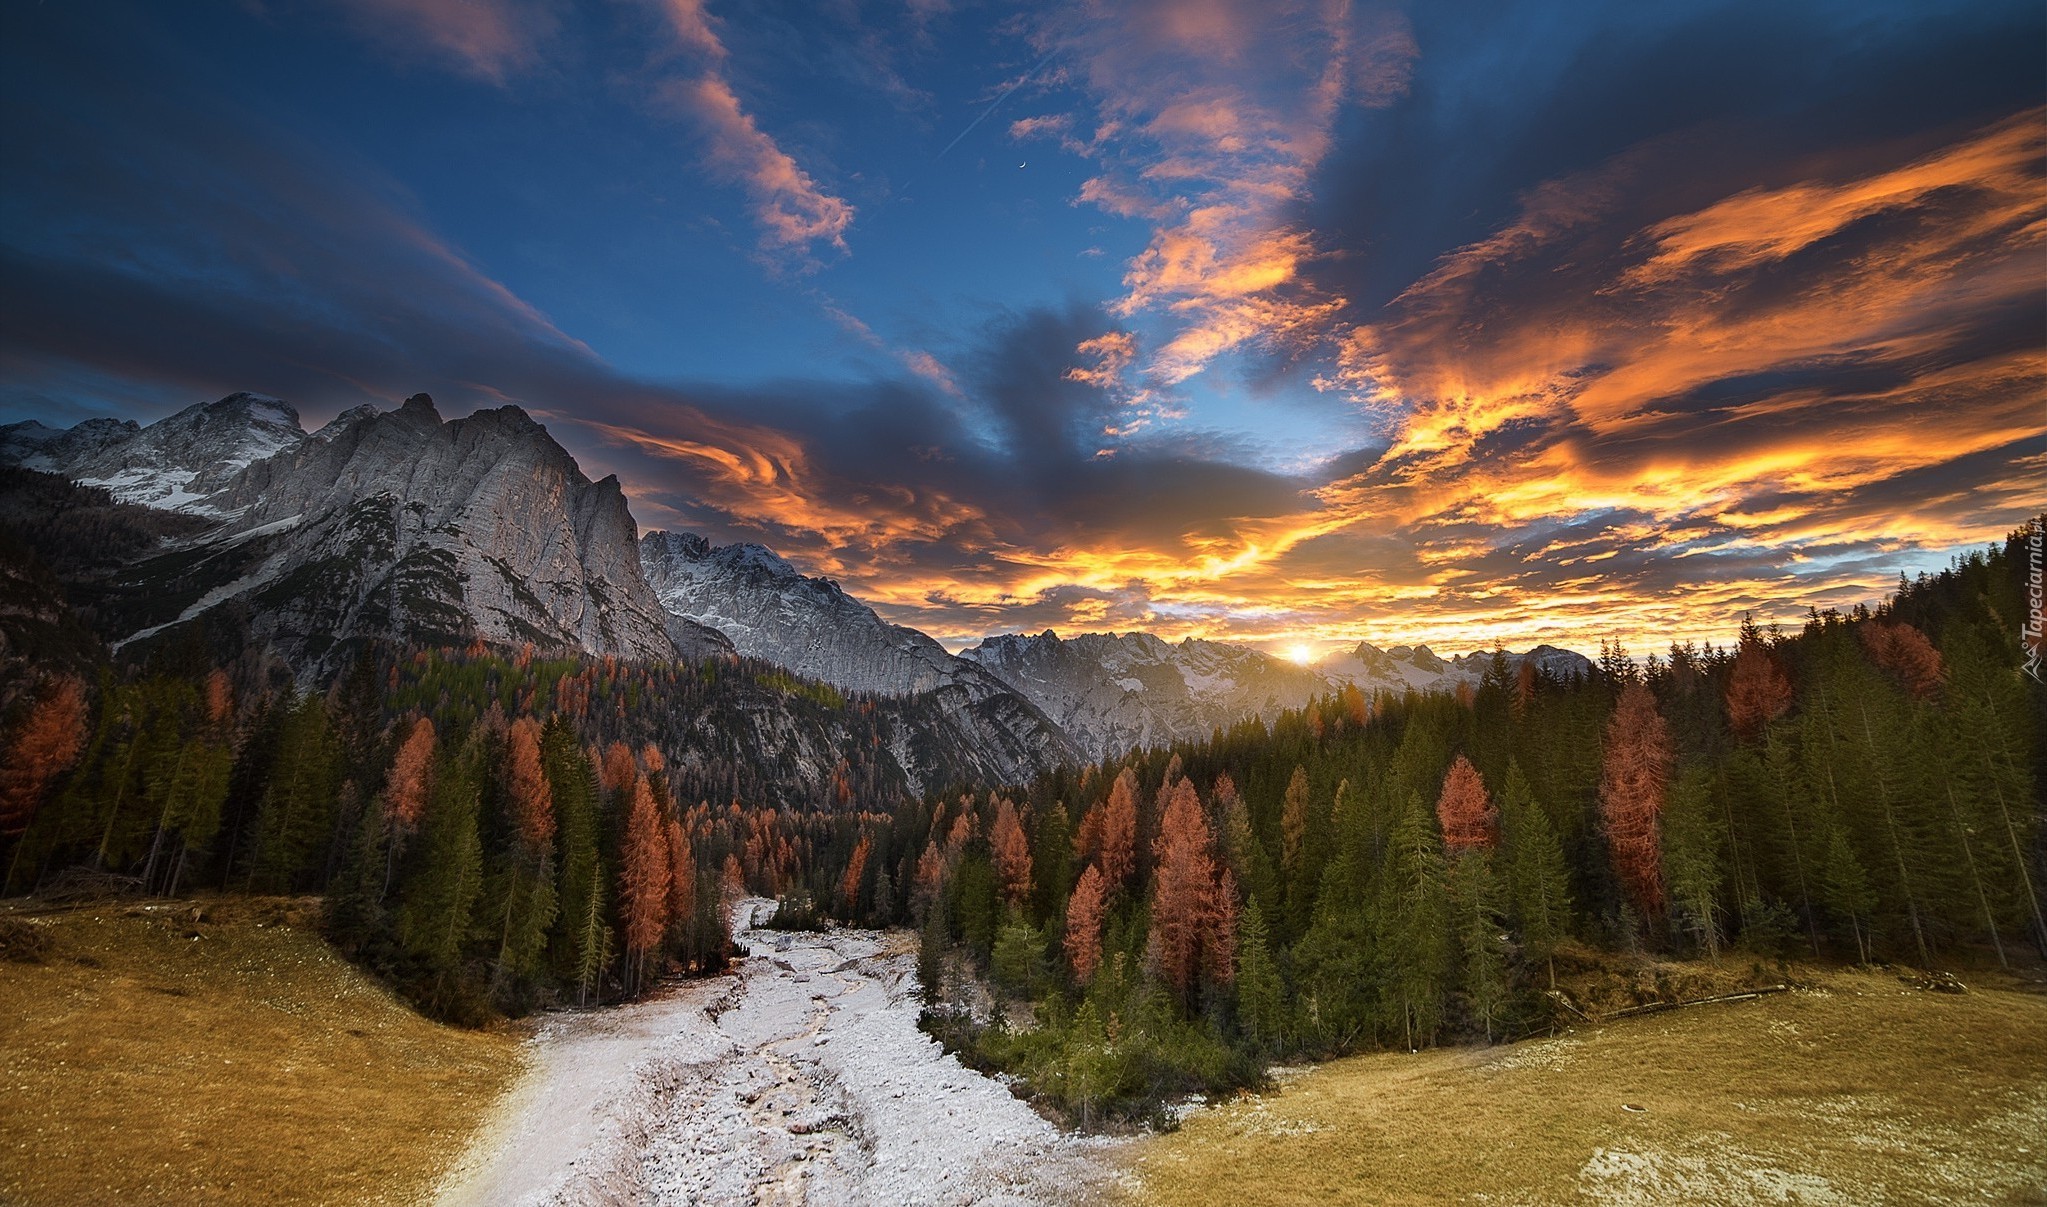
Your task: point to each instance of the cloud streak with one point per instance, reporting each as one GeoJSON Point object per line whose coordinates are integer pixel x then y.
{"type": "Point", "coordinates": [491, 40]}
{"type": "Point", "coordinates": [795, 215]}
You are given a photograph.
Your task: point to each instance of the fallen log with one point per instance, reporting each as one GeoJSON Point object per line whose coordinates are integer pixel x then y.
{"type": "Point", "coordinates": [1653, 1007]}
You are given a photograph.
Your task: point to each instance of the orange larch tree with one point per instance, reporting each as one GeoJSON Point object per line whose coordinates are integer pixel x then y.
{"type": "Point", "coordinates": [1108, 834]}
{"type": "Point", "coordinates": [929, 880]}
{"type": "Point", "coordinates": [1084, 913]}
{"type": "Point", "coordinates": [220, 698]}
{"type": "Point", "coordinates": [1633, 778]}
{"type": "Point", "coordinates": [1012, 849]}
{"type": "Point", "coordinates": [1905, 652]}
{"type": "Point", "coordinates": [616, 770]}
{"type": "Point", "coordinates": [1192, 931]}
{"type": "Point", "coordinates": [405, 789]}
{"type": "Point", "coordinates": [532, 804]}
{"type": "Point", "coordinates": [1757, 690]}
{"type": "Point", "coordinates": [643, 876]}
{"type": "Point", "coordinates": [1470, 820]}
{"type": "Point", "coordinates": [856, 870]}
{"type": "Point", "coordinates": [45, 746]}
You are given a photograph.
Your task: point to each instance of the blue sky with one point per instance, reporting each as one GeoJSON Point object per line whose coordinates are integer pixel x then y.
{"type": "Point", "coordinates": [1286, 321]}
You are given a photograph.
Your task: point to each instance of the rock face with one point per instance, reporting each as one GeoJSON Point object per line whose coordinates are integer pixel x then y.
{"type": "Point", "coordinates": [810, 626]}
{"type": "Point", "coordinates": [181, 463]}
{"type": "Point", "coordinates": [399, 525]}
{"type": "Point", "coordinates": [772, 612]}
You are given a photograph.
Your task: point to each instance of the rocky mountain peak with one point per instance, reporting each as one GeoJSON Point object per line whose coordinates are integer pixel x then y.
{"type": "Point", "coordinates": [182, 462]}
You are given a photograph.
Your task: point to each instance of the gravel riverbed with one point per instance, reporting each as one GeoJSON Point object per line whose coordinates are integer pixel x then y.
{"type": "Point", "coordinates": [800, 1079]}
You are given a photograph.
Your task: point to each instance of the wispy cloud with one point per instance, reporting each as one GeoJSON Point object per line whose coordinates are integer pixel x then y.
{"type": "Point", "coordinates": [795, 215]}
{"type": "Point", "coordinates": [490, 39]}
{"type": "Point", "coordinates": [1208, 122]}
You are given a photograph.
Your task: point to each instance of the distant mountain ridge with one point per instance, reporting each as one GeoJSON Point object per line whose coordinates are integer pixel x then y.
{"type": "Point", "coordinates": [383, 524]}
{"type": "Point", "coordinates": [402, 525]}
{"type": "Point", "coordinates": [1115, 691]}
{"type": "Point", "coordinates": [771, 611]}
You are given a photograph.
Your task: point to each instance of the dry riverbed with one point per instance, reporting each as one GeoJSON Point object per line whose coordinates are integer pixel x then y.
{"type": "Point", "coordinates": [801, 1079]}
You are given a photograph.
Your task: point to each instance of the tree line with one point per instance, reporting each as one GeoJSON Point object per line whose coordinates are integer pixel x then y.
{"type": "Point", "coordinates": [496, 831]}
{"type": "Point", "coordinates": [492, 832]}
{"type": "Point", "coordinates": [1401, 870]}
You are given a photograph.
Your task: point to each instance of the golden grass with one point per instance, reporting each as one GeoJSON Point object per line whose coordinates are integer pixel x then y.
{"type": "Point", "coordinates": [1858, 1089]}
{"type": "Point", "coordinates": [154, 1058]}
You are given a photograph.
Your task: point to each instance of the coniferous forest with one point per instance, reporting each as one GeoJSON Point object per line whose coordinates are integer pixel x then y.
{"type": "Point", "coordinates": [493, 832]}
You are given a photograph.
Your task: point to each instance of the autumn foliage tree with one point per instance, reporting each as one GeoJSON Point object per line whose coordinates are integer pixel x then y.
{"type": "Point", "coordinates": [1012, 852]}
{"type": "Point", "coordinates": [43, 748]}
{"type": "Point", "coordinates": [1634, 775]}
{"type": "Point", "coordinates": [643, 876]}
{"type": "Point", "coordinates": [1757, 690]}
{"type": "Point", "coordinates": [1085, 911]}
{"type": "Point", "coordinates": [1905, 652]}
{"type": "Point", "coordinates": [526, 786]}
{"type": "Point", "coordinates": [1108, 834]}
{"type": "Point", "coordinates": [1193, 917]}
{"type": "Point", "coordinates": [406, 788]}
{"type": "Point", "coordinates": [1466, 811]}
{"type": "Point", "coordinates": [856, 872]}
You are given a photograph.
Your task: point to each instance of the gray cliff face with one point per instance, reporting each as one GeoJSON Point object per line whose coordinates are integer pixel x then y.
{"type": "Point", "coordinates": [770, 611]}
{"type": "Point", "coordinates": [401, 524]}
{"type": "Point", "coordinates": [398, 525]}
{"type": "Point", "coordinates": [181, 463]}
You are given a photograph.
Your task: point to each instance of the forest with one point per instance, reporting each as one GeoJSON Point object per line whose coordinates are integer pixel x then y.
{"type": "Point", "coordinates": [496, 831]}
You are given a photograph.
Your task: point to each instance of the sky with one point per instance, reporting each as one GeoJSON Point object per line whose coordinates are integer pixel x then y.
{"type": "Point", "coordinates": [1290, 322]}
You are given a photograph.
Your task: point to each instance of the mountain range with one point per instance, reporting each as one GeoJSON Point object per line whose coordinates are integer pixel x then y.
{"type": "Point", "coordinates": [400, 525]}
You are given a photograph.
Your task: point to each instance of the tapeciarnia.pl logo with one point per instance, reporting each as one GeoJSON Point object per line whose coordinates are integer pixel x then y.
{"type": "Point", "coordinates": [2036, 541]}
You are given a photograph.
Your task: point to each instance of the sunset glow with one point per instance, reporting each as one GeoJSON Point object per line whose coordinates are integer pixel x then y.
{"type": "Point", "coordinates": [1298, 324]}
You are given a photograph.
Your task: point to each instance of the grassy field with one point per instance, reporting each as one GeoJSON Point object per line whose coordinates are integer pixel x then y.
{"type": "Point", "coordinates": [219, 1052]}
{"type": "Point", "coordinates": [1857, 1089]}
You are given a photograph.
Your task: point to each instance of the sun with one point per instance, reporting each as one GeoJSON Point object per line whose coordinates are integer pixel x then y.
{"type": "Point", "coordinates": [1300, 653]}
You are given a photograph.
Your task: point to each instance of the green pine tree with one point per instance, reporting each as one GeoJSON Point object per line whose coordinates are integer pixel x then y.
{"type": "Point", "coordinates": [1694, 843]}
{"type": "Point", "coordinates": [1261, 997]}
{"type": "Point", "coordinates": [1538, 881]}
{"type": "Point", "coordinates": [1413, 924]}
{"type": "Point", "coordinates": [1473, 895]}
{"type": "Point", "coordinates": [435, 913]}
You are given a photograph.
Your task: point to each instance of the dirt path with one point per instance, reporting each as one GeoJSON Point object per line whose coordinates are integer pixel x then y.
{"type": "Point", "coordinates": [802, 1080]}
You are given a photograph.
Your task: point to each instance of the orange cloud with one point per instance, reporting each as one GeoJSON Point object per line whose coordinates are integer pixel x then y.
{"type": "Point", "coordinates": [1600, 430]}
{"type": "Point", "coordinates": [1211, 116]}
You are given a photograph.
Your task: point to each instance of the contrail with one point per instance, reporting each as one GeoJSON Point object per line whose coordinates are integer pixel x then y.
{"type": "Point", "coordinates": [996, 104]}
